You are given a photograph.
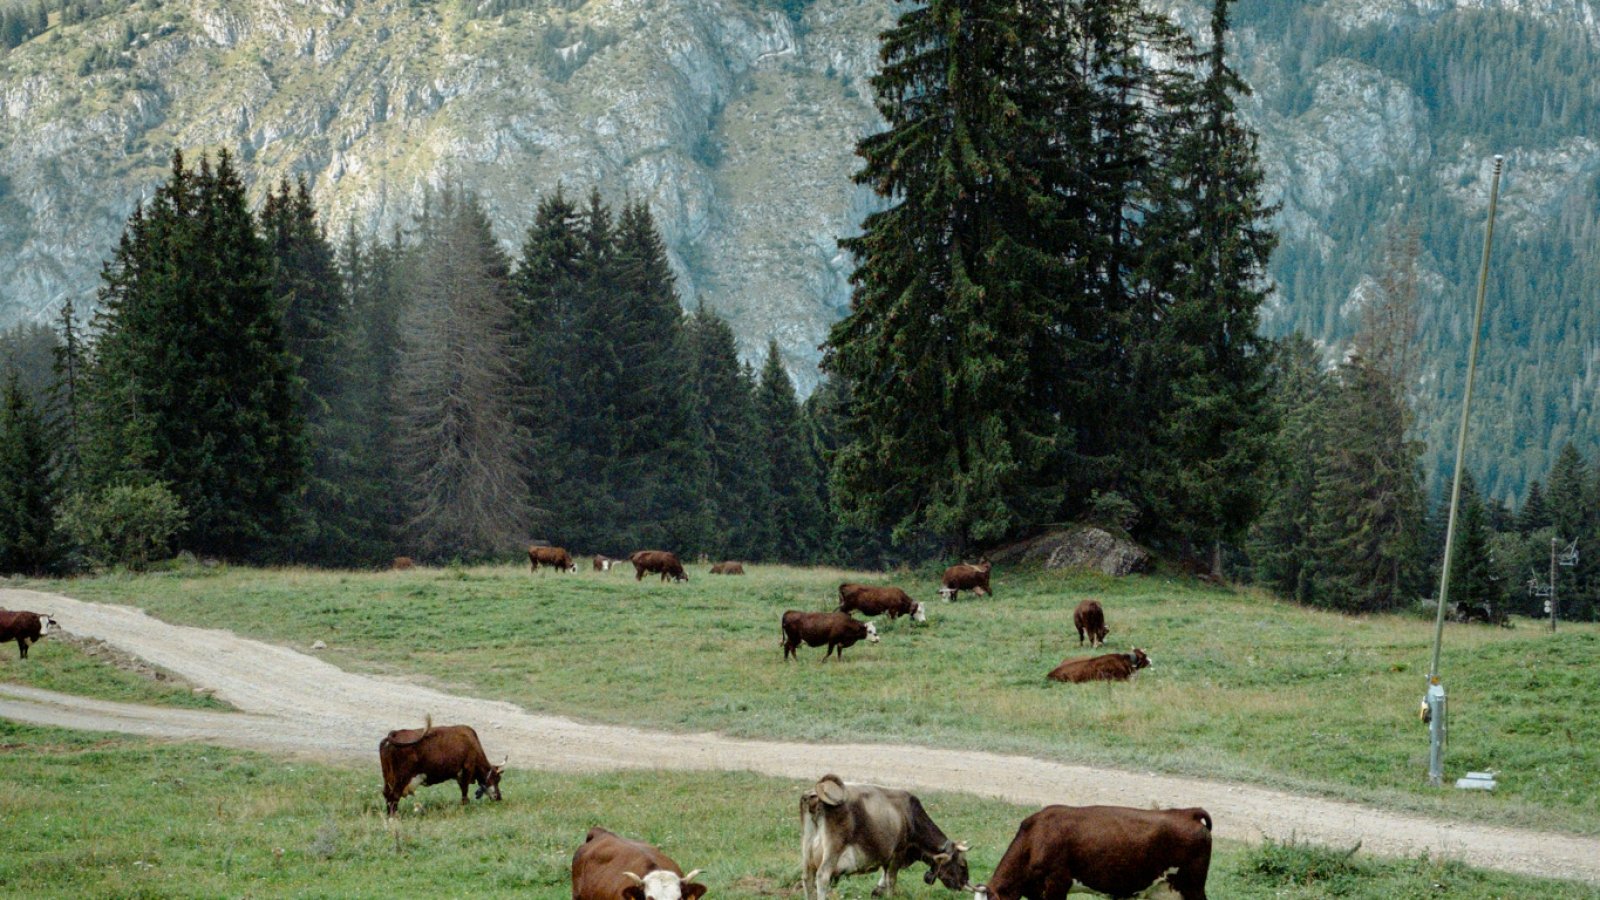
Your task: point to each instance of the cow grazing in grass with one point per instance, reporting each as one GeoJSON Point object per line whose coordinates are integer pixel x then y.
{"type": "Point", "coordinates": [550, 557]}
{"type": "Point", "coordinates": [1110, 667]}
{"type": "Point", "coordinates": [403, 562]}
{"type": "Point", "coordinates": [727, 568]}
{"type": "Point", "coordinates": [606, 563]}
{"type": "Point", "coordinates": [848, 828]}
{"type": "Point", "coordinates": [871, 600]}
{"type": "Point", "coordinates": [836, 630]}
{"type": "Point", "coordinates": [1090, 620]}
{"type": "Point", "coordinates": [1111, 850]}
{"type": "Point", "coordinates": [610, 867]}
{"type": "Point", "coordinates": [24, 627]}
{"type": "Point", "coordinates": [965, 578]}
{"type": "Point", "coordinates": [657, 561]}
{"type": "Point", "coordinates": [434, 755]}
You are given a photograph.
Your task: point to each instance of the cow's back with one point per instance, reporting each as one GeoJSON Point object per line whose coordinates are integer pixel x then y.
{"type": "Point", "coordinates": [1121, 851]}
{"type": "Point", "coordinates": [599, 865]}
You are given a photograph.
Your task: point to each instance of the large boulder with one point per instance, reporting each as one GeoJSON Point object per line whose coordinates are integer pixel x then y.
{"type": "Point", "coordinates": [1082, 547]}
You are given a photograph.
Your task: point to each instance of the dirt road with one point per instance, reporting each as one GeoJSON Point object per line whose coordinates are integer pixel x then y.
{"type": "Point", "coordinates": [292, 703]}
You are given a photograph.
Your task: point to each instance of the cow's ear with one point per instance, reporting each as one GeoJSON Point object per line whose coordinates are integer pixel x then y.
{"type": "Point", "coordinates": [692, 890]}
{"type": "Point", "coordinates": [633, 892]}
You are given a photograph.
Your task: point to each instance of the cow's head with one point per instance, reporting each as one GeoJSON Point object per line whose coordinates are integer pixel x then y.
{"type": "Point", "coordinates": [981, 892]}
{"type": "Point", "coordinates": [490, 782]}
{"type": "Point", "coordinates": [872, 633]}
{"type": "Point", "coordinates": [47, 622]}
{"type": "Point", "coordinates": [919, 613]}
{"type": "Point", "coordinates": [572, 569]}
{"type": "Point", "coordinates": [663, 885]}
{"type": "Point", "coordinates": [948, 593]}
{"type": "Point", "coordinates": [1139, 659]}
{"type": "Point", "coordinates": [949, 866]}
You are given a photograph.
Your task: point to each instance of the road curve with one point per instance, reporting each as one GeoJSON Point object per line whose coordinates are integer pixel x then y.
{"type": "Point", "coordinates": [295, 704]}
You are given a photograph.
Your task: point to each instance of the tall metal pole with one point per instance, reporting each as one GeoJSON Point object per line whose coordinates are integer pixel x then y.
{"type": "Point", "coordinates": [1552, 584]}
{"type": "Point", "coordinates": [1435, 698]}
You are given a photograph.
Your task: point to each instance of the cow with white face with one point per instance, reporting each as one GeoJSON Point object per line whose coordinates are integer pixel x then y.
{"type": "Point", "coordinates": [611, 867]}
{"type": "Point", "coordinates": [848, 828]}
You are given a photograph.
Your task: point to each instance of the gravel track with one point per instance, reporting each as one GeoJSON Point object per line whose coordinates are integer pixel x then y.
{"type": "Point", "coordinates": [293, 704]}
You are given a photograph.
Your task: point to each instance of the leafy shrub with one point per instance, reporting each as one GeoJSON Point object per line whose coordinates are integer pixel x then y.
{"type": "Point", "coordinates": [1293, 863]}
{"type": "Point", "coordinates": [124, 525]}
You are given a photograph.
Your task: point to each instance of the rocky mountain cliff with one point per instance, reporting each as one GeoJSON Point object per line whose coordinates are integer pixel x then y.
{"type": "Point", "coordinates": [735, 119]}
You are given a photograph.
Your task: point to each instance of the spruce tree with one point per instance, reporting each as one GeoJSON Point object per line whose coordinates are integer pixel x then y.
{"type": "Point", "coordinates": [191, 383]}
{"type": "Point", "coordinates": [29, 542]}
{"type": "Point", "coordinates": [1203, 362]}
{"type": "Point", "coordinates": [1367, 504]}
{"type": "Point", "coordinates": [1535, 513]}
{"type": "Point", "coordinates": [1474, 576]}
{"type": "Point", "coordinates": [335, 527]}
{"type": "Point", "coordinates": [460, 447]}
{"type": "Point", "coordinates": [551, 274]}
{"type": "Point", "coordinates": [740, 472]}
{"type": "Point", "coordinates": [951, 322]}
{"type": "Point", "coordinates": [799, 520]}
{"type": "Point", "coordinates": [1280, 541]}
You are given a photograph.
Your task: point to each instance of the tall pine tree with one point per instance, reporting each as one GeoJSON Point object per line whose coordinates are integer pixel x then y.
{"type": "Point", "coordinates": [951, 311]}
{"type": "Point", "coordinates": [191, 383]}
{"type": "Point", "coordinates": [799, 525]}
{"type": "Point", "coordinates": [731, 429]}
{"type": "Point", "coordinates": [29, 542]}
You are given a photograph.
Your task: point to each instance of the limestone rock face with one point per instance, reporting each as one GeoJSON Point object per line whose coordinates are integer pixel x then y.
{"type": "Point", "coordinates": [735, 121]}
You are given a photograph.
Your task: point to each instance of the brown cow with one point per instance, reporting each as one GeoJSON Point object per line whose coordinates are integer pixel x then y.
{"type": "Point", "coordinates": [604, 563]}
{"type": "Point", "coordinates": [657, 561]}
{"type": "Point", "coordinates": [403, 562]}
{"type": "Point", "coordinates": [1112, 850]}
{"type": "Point", "coordinates": [552, 557]}
{"type": "Point", "coordinates": [1090, 620]}
{"type": "Point", "coordinates": [434, 756]}
{"type": "Point", "coordinates": [24, 627]}
{"type": "Point", "coordinates": [877, 601]}
{"type": "Point", "coordinates": [610, 867]}
{"type": "Point", "coordinates": [727, 568]}
{"type": "Point", "coordinates": [835, 629]}
{"type": "Point", "coordinates": [1110, 667]}
{"type": "Point", "coordinates": [848, 828]}
{"type": "Point", "coordinates": [965, 578]}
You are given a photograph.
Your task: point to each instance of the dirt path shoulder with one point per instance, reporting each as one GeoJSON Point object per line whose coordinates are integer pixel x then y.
{"type": "Point", "coordinates": [295, 704]}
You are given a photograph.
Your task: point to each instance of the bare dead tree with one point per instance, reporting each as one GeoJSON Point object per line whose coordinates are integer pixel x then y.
{"type": "Point", "coordinates": [459, 443]}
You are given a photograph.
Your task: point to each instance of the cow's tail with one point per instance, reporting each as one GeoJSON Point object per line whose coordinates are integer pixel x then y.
{"type": "Point", "coordinates": [1203, 817]}
{"type": "Point", "coordinates": [427, 729]}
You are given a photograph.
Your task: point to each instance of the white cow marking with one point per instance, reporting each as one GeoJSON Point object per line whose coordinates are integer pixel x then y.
{"type": "Point", "coordinates": [872, 633]}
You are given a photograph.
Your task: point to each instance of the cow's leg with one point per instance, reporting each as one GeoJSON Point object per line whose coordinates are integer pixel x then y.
{"type": "Point", "coordinates": [22, 644]}
{"type": "Point", "coordinates": [464, 780]}
{"type": "Point", "coordinates": [1056, 887]}
{"type": "Point", "coordinates": [885, 882]}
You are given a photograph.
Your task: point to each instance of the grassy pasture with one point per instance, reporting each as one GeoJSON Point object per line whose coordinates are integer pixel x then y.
{"type": "Point", "coordinates": [55, 664]}
{"type": "Point", "coordinates": [97, 817]}
{"type": "Point", "coordinates": [1243, 687]}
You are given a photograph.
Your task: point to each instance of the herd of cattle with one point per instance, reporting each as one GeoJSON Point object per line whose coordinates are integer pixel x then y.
{"type": "Point", "coordinates": [840, 629]}
{"type": "Point", "coordinates": [848, 828]}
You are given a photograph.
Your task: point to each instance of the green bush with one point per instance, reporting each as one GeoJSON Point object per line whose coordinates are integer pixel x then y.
{"type": "Point", "coordinates": [123, 525]}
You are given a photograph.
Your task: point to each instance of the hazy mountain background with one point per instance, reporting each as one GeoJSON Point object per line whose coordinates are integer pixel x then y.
{"type": "Point", "coordinates": [736, 120]}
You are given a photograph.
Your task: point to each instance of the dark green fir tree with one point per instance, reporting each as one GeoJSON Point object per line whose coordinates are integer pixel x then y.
{"type": "Point", "coordinates": [191, 383]}
{"type": "Point", "coordinates": [29, 541]}
{"type": "Point", "coordinates": [799, 524]}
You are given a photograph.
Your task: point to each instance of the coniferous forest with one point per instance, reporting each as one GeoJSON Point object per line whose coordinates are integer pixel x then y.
{"type": "Point", "coordinates": [1055, 319]}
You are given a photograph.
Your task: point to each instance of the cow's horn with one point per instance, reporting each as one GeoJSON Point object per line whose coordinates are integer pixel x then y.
{"type": "Point", "coordinates": [691, 875]}
{"type": "Point", "coordinates": [505, 762]}
{"type": "Point", "coordinates": [961, 846]}
{"type": "Point", "coordinates": [634, 877]}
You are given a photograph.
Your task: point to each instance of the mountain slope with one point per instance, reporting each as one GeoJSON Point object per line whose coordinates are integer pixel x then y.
{"type": "Point", "coordinates": [736, 120]}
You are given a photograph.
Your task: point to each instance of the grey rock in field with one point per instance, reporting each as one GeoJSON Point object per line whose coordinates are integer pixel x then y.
{"type": "Point", "coordinates": [1083, 547]}
{"type": "Point", "coordinates": [319, 645]}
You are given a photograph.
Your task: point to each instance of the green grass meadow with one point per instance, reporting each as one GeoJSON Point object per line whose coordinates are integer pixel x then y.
{"type": "Point", "coordinates": [1243, 687]}
{"type": "Point", "coordinates": [98, 817]}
